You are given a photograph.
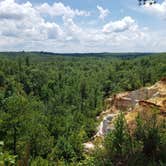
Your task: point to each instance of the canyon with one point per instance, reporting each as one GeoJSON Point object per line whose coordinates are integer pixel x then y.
{"type": "Point", "coordinates": [130, 103]}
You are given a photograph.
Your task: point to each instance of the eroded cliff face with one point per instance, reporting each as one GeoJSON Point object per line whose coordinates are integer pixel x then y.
{"type": "Point", "coordinates": [131, 103]}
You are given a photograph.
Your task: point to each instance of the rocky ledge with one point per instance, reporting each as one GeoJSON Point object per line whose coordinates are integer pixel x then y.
{"type": "Point", "coordinates": [130, 103]}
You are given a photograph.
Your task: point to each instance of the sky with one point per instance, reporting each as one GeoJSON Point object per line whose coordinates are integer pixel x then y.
{"type": "Point", "coordinates": [81, 26]}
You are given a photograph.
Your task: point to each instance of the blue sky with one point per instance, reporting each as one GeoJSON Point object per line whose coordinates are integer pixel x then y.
{"type": "Point", "coordinates": [82, 26]}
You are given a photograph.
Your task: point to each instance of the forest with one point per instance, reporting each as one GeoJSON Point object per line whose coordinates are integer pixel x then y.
{"type": "Point", "coordinates": [49, 103]}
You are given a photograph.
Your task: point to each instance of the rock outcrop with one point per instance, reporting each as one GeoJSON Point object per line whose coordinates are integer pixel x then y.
{"type": "Point", "coordinates": [130, 103]}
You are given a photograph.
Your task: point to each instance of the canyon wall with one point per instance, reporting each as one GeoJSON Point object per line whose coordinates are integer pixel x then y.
{"type": "Point", "coordinates": [130, 103]}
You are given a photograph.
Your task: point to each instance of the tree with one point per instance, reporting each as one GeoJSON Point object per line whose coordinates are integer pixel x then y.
{"type": "Point", "coordinates": [149, 132]}
{"type": "Point", "coordinates": [118, 142]}
{"type": "Point", "coordinates": [36, 135]}
{"type": "Point", "coordinates": [27, 61]}
{"type": "Point", "coordinates": [5, 157]}
{"type": "Point", "coordinates": [15, 108]}
{"type": "Point", "coordinates": [150, 2]}
{"type": "Point", "coordinates": [38, 78]}
{"type": "Point", "coordinates": [83, 93]}
{"type": "Point", "coordinates": [2, 79]}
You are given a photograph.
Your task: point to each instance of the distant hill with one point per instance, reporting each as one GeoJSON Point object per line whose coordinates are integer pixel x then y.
{"type": "Point", "coordinates": [115, 55]}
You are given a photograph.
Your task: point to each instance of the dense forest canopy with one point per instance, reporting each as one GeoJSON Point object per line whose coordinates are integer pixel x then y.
{"type": "Point", "coordinates": [49, 102]}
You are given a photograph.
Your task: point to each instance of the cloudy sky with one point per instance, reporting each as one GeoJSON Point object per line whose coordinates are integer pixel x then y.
{"type": "Point", "coordinates": [82, 26]}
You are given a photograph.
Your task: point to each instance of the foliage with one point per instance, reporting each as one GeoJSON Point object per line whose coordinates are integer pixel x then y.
{"type": "Point", "coordinates": [5, 157]}
{"type": "Point", "coordinates": [117, 142]}
{"type": "Point", "coordinates": [49, 103]}
{"type": "Point", "coordinates": [146, 146]}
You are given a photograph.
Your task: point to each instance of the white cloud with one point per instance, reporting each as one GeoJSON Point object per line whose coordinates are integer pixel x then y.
{"type": "Point", "coordinates": [59, 9]}
{"type": "Point", "coordinates": [24, 26]}
{"type": "Point", "coordinates": [72, 31]}
{"type": "Point", "coordinates": [119, 26]}
{"type": "Point", "coordinates": [13, 11]}
{"type": "Point", "coordinates": [96, 40]}
{"type": "Point", "coordinates": [156, 9]}
{"type": "Point", "coordinates": [24, 21]}
{"type": "Point", "coordinates": [103, 12]}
